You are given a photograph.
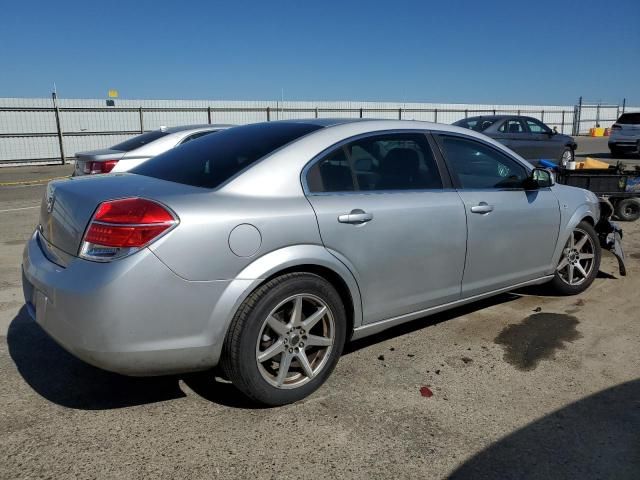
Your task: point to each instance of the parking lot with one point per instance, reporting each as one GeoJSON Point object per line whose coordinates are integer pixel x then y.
{"type": "Point", "coordinates": [524, 386]}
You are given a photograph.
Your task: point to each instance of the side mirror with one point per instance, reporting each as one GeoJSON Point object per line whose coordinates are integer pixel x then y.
{"type": "Point", "coordinates": [540, 178]}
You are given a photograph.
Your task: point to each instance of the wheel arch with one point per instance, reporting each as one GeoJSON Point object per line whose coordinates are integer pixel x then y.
{"type": "Point", "coordinates": [299, 258]}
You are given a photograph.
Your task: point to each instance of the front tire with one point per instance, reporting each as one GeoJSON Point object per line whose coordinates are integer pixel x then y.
{"type": "Point", "coordinates": [579, 262]}
{"type": "Point", "coordinates": [616, 152]}
{"type": "Point", "coordinates": [285, 339]}
{"type": "Point", "coordinates": [628, 209]}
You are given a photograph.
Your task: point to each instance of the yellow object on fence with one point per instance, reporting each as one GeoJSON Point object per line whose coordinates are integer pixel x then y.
{"type": "Point", "coordinates": [596, 132]}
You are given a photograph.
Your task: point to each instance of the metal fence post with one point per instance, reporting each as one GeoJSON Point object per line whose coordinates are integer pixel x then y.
{"type": "Point", "coordinates": [435, 116]}
{"type": "Point", "coordinates": [399, 114]}
{"type": "Point", "coordinates": [466, 113]}
{"type": "Point", "coordinates": [598, 115]}
{"type": "Point", "coordinates": [579, 116]}
{"type": "Point", "coordinates": [562, 124]}
{"type": "Point", "coordinates": [624, 104]}
{"type": "Point", "coordinates": [209, 115]}
{"type": "Point", "coordinates": [542, 116]}
{"type": "Point", "coordinates": [494, 112]}
{"type": "Point", "coordinates": [316, 112]}
{"type": "Point", "coordinates": [56, 111]}
{"type": "Point", "coordinates": [141, 120]}
{"type": "Point", "coordinates": [518, 112]}
{"type": "Point", "coordinates": [268, 114]}
{"type": "Point", "coordinates": [361, 113]}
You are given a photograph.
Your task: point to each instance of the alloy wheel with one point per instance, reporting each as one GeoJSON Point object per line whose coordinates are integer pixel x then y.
{"type": "Point", "coordinates": [577, 261]}
{"type": "Point", "coordinates": [295, 341]}
{"type": "Point", "coordinates": [567, 156]}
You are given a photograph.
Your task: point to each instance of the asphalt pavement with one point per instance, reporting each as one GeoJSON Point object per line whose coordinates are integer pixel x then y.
{"type": "Point", "coordinates": [523, 386]}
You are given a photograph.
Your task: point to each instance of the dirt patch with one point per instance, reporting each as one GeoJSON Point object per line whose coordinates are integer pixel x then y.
{"type": "Point", "coordinates": [536, 338]}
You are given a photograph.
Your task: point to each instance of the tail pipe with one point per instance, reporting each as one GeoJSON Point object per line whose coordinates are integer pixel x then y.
{"type": "Point", "coordinates": [610, 234]}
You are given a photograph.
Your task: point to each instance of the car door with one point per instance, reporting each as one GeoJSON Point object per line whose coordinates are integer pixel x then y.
{"type": "Point", "coordinates": [512, 232]}
{"type": "Point", "coordinates": [545, 143]}
{"type": "Point", "coordinates": [384, 209]}
{"type": "Point", "coordinates": [513, 134]}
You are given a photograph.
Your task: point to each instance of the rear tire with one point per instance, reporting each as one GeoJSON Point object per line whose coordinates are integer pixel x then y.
{"type": "Point", "coordinates": [579, 262]}
{"type": "Point", "coordinates": [616, 152]}
{"type": "Point", "coordinates": [282, 316]}
{"type": "Point", "coordinates": [628, 209]}
{"type": "Point", "coordinates": [568, 155]}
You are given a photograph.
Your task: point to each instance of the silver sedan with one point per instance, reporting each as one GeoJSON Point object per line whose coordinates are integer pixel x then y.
{"type": "Point", "coordinates": [134, 151]}
{"type": "Point", "coordinates": [264, 248]}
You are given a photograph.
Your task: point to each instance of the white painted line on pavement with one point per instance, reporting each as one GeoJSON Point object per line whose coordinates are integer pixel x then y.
{"type": "Point", "coordinates": [16, 209]}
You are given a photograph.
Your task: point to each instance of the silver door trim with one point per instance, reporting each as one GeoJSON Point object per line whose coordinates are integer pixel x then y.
{"type": "Point", "coordinates": [373, 328]}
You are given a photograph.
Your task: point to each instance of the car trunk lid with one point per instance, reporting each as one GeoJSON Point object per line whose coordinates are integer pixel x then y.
{"type": "Point", "coordinates": [102, 155]}
{"type": "Point", "coordinates": [68, 205]}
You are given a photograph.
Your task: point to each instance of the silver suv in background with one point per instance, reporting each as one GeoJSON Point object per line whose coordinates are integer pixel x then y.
{"type": "Point", "coordinates": [625, 135]}
{"type": "Point", "coordinates": [134, 151]}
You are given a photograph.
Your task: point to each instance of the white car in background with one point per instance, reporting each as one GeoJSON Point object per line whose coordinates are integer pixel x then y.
{"type": "Point", "coordinates": [134, 151]}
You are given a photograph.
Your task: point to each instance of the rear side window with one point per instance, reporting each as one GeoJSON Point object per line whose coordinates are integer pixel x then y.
{"type": "Point", "coordinates": [214, 159]}
{"type": "Point", "coordinates": [139, 141]}
{"type": "Point", "coordinates": [629, 119]}
{"type": "Point", "coordinates": [399, 161]}
{"type": "Point", "coordinates": [478, 124]}
{"type": "Point", "coordinates": [478, 166]}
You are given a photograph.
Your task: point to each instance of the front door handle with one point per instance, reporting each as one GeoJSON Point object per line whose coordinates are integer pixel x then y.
{"type": "Point", "coordinates": [482, 207]}
{"type": "Point", "coordinates": [356, 216]}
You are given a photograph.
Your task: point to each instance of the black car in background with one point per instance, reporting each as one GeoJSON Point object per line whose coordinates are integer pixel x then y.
{"type": "Point", "coordinates": [527, 136]}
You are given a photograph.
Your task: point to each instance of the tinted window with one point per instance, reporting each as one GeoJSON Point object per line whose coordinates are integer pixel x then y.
{"type": "Point", "coordinates": [382, 162]}
{"type": "Point", "coordinates": [478, 124]}
{"type": "Point", "coordinates": [512, 126]}
{"type": "Point", "coordinates": [629, 119]}
{"type": "Point", "coordinates": [477, 165]}
{"type": "Point", "coordinates": [214, 159]}
{"type": "Point", "coordinates": [140, 140]}
{"type": "Point", "coordinates": [537, 127]}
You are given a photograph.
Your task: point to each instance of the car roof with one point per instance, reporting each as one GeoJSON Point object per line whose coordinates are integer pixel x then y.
{"type": "Point", "coordinates": [497, 117]}
{"type": "Point", "coordinates": [204, 126]}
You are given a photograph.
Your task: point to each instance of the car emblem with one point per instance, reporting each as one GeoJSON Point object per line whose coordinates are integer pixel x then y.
{"type": "Point", "coordinates": [51, 198]}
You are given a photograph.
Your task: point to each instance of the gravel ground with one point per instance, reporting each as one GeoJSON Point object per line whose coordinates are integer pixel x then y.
{"type": "Point", "coordinates": [524, 386]}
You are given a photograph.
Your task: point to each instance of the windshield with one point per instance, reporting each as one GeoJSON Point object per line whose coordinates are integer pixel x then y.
{"type": "Point", "coordinates": [211, 160]}
{"type": "Point", "coordinates": [140, 140]}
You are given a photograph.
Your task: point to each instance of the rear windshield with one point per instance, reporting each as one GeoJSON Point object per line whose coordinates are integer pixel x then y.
{"type": "Point", "coordinates": [478, 124]}
{"type": "Point", "coordinates": [211, 160]}
{"type": "Point", "coordinates": [140, 140]}
{"type": "Point", "coordinates": [629, 119]}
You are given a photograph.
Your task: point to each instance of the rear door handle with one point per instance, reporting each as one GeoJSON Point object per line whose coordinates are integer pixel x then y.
{"type": "Point", "coordinates": [356, 216]}
{"type": "Point", "coordinates": [482, 207]}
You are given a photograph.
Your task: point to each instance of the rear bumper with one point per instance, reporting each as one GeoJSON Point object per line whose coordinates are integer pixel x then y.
{"type": "Point", "coordinates": [132, 316]}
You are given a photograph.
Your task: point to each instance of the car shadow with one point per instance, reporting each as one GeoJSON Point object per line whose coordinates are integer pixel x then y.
{"type": "Point", "coordinates": [596, 437]}
{"type": "Point", "coordinates": [65, 380]}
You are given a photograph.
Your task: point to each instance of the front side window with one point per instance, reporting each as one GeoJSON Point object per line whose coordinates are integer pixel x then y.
{"type": "Point", "coordinates": [512, 126]}
{"type": "Point", "coordinates": [402, 161]}
{"type": "Point", "coordinates": [479, 166]}
{"type": "Point", "coordinates": [537, 127]}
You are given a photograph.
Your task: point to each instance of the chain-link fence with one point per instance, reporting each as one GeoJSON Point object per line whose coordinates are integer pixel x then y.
{"type": "Point", "coordinates": [32, 131]}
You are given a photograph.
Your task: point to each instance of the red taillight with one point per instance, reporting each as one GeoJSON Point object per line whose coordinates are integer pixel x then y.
{"type": "Point", "coordinates": [121, 227]}
{"type": "Point", "coordinates": [91, 168]}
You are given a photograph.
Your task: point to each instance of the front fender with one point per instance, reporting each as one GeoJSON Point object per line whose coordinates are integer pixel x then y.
{"type": "Point", "coordinates": [567, 226]}
{"type": "Point", "coordinates": [266, 266]}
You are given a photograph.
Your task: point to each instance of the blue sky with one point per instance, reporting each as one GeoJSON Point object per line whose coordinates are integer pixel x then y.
{"type": "Point", "coordinates": [487, 51]}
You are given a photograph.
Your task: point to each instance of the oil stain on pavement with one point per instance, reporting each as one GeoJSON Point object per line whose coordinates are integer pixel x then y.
{"type": "Point", "coordinates": [537, 338]}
